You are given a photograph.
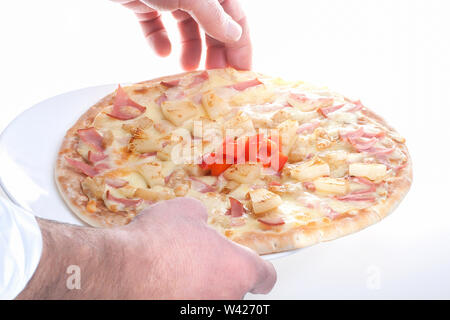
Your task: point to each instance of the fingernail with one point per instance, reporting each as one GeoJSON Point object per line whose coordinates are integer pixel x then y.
{"type": "Point", "coordinates": [233, 30]}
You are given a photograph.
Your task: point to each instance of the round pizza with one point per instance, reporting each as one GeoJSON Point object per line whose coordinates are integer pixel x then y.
{"type": "Point", "coordinates": [279, 165]}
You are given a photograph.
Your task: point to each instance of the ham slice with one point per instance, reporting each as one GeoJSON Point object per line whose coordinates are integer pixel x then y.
{"type": "Point", "coordinates": [360, 133]}
{"type": "Point", "coordinates": [310, 186]}
{"type": "Point", "coordinates": [327, 110]}
{"type": "Point", "coordinates": [129, 203]}
{"type": "Point", "coordinates": [148, 154]}
{"type": "Point", "coordinates": [380, 151]}
{"type": "Point", "coordinates": [402, 166]}
{"type": "Point", "coordinates": [241, 86]}
{"type": "Point", "coordinates": [362, 180]}
{"type": "Point", "coordinates": [357, 106]}
{"type": "Point", "coordinates": [237, 209]}
{"type": "Point", "coordinates": [308, 127]}
{"type": "Point", "coordinates": [94, 157]}
{"type": "Point", "coordinates": [102, 166]}
{"type": "Point", "coordinates": [365, 141]}
{"type": "Point", "coordinates": [91, 137]}
{"type": "Point", "coordinates": [237, 222]}
{"type": "Point", "coordinates": [372, 187]}
{"type": "Point", "coordinates": [161, 99]}
{"type": "Point", "coordinates": [116, 183]}
{"type": "Point", "coordinates": [85, 168]}
{"type": "Point", "coordinates": [272, 221]}
{"type": "Point", "coordinates": [171, 83]}
{"type": "Point", "coordinates": [299, 97]}
{"type": "Point", "coordinates": [358, 196]}
{"type": "Point", "coordinates": [124, 108]}
{"type": "Point", "coordinates": [201, 186]}
{"type": "Point", "coordinates": [363, 144]}
{"type": "Point", "coordinates": [199, 78]}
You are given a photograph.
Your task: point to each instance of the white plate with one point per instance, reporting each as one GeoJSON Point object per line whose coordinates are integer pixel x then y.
{"type": "Point", "coordinates": [28, 149]}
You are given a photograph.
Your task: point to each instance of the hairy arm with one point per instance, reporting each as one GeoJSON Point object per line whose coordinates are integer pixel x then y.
{"type": "Point", "coordinates": [64, 246]}
{"type": "Point", "coordinates": [167, 252]}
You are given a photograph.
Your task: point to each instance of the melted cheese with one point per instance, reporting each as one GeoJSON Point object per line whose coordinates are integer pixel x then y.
{"type": "Point", "coordinates": [308, 188]}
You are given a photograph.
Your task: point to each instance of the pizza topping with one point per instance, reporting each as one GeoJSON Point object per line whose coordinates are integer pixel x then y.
{"type": "Point", "coordinates": [128, 203]}
{"type": "Point", "coordinates": [331, 185]}
{"type": "Point", "coordinates": [305, 104]}
{"type": "Point", "coordinates": [152, 173]}
{"type": "Point", "coordinates": [357, 197]}
{"type": "Point", "coordinates": [241, 86]}
{"type": "Point", "coordinates": [85, 168]}
{"type": "Point", "coordinates": [363, 144]}
{"type": "Point", "coordinates": [310, 186]}
{"type": "Point", "coordinates": [199, 78]}
{"type": "Point", "coordinates": [161, 99]}
{"type": "Point", "coordinates": [372, 171]}
{"type": "Point", "coordinates": [156, 193]}
{"type": "Point", "coordinates": [361, 132]}
{"type": "Point", "coordinates": [237, 222]}
{"type": "Point", "coordinates": [141, 123]}
{"type": "Point", "coordinates": [243, 173]}
{"type": "Point", "coordinates": [263, 200]}
{"type": "Point", "coordinates": [91, 137]}
{"type": "Point", "coordinates": [272, 221]}
{"type": "Point", "coordinates": [237, 208]}
{"type": "Point", "coordinates": [287, 134]}
{"type": "Point", "coordinates": [201, 186]}
{"type": "Point", "coordinates": [245, 154]}
{"type": "Point", "coordinates": [338, 163]}
{"type": "Point", "coordinates": [380, 151]}
{"type": "Point", "coordinates": [308, 127]}
{"type": "Point", "coordinates": [327, 110]}
{"type": "Point", "coordinates": [94, 157]}
{"type": "Point", "coordinates": [171, 83]}
{"type": "Point", "coordinates": [215, 106]}
{"type": "Point", "coordinates": [116, 183]}
{"type": "Point", "coordinates": [299, 101]}
{"type": "Point", "coordinates": [93, 187]}
{"type": "Point", "coordinates": [124, 108]}
{"type": "Point", "coordinates": [357, 105]}
{"type": "Point", "coordinates": [309, 170]}
{"type": "Point", "coordinates": [178, 112]}
{"type": "Point", "coordinates": [370, 186]}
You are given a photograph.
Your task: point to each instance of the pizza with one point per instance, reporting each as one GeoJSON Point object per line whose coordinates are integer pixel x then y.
{"type": "Point", "coordinates": [278, 164]}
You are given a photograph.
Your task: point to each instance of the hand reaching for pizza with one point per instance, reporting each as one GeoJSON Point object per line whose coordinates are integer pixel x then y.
{"type": "Point", "coordinates": [224, 22]}
{"type": "Point", "coordinates": [167, 252]}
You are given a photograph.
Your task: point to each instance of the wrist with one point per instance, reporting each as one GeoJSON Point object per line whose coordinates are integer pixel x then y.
{"type": "Point", "coordinates": [134, 248]}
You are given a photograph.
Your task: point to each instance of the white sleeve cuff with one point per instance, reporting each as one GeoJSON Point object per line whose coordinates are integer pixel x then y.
{"type": "Point", "coordinates": [20, 248]}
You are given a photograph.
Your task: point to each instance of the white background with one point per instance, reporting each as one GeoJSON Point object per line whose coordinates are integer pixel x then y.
{"type": "Point", "coordinates": [393, 54]}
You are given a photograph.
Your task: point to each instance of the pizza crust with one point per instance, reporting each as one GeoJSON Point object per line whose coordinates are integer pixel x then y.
{"type": "Point", "coordinates": [68, 181]}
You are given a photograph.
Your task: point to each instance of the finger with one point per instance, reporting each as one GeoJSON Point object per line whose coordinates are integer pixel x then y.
{"type": "Point", "coordinates": [191, 41]}
{"type": "Point", "coordinates": [239, 53]}
{"type": "Point", "coordinates": [154, 32]}
{"type": "Point", "coordinates": [135, 5]}
{"type": "Point", "coordinates": [215, 54]}
{"type": "Point", "coordinates": [213, 19]}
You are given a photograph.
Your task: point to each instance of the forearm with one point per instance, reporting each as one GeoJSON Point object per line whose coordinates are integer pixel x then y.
{"type": "Point", "coordinates": [167, 252]}
{"type": "Point", "coordinates": [88, 250]}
